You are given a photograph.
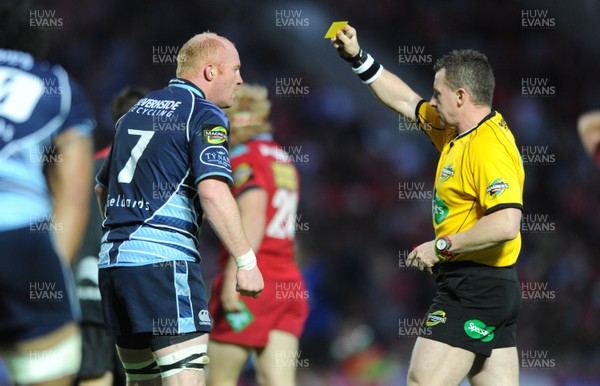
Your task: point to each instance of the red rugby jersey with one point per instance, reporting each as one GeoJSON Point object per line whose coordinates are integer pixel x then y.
{"type": "Point", "coordinates": [262, 163]}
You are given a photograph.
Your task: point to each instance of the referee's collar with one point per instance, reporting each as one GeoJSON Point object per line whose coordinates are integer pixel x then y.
{"type": "Point", "coordinates": [186, 84]}
{"type": "Point", "coordinates": [490, 115]}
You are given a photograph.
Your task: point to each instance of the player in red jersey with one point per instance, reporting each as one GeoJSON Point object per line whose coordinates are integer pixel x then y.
{"type": "Point", "coordinates": [588, 126]}
{"type": "Point", "coordinates": [266, 189]}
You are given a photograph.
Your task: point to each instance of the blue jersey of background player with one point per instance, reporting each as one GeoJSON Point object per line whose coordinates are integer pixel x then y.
{"type": "Point", "coordinates": [152, 212]}
{"type": "Point", "coordinates": [45, 161]}
{"type": "Point", "coordinates": [37, 103]}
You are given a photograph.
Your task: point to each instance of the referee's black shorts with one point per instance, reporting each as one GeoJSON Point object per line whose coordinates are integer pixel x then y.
{"type": "Point", "coordinates": [475, 307]}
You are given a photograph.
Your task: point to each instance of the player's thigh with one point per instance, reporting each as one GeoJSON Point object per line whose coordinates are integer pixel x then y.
{"type": "Point", "coordinates": [107, 379]}
{"type": "Point", "coordinates": [435, 363]}
{"type": "Point", "coordinates": [140, 366]}
{"type": "Point", "coordinates": [226, 363]}
{"type": "Point", "coordinates": [50, 359]}
{"type": "Point", "coordinates": [501, 368]}
{"type": "Point", "coordinates": [277, 362]}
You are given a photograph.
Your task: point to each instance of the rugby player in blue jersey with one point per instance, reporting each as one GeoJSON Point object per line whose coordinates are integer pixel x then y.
{"type": "Point", "coordinates": [168, 167]}
{"type": "Point", "coordinates": [45, 169]}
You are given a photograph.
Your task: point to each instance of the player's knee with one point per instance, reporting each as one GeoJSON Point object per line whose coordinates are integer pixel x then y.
{"type": "Point", "coordinates": [35, 366]}
{"type": "Point", "coordinates": [189, 358]}
{"type": "Point", "coordinates": [266, 379]}
{"type": "Point", "coordinates": [414, 377]}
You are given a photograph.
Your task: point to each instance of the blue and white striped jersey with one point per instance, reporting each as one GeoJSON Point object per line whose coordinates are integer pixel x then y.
{"type": "Point", "coordinates": [38, 101]}
{"type": "Point", "coordinates": [163, 147]}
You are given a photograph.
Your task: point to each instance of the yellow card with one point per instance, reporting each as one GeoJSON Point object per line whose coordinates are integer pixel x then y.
{"type": "Point", "coordinates": [335, 26]}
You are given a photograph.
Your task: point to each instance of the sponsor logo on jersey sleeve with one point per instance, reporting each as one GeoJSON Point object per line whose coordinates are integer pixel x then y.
{"type": "Point", "coordinates": [496, 187]}
{"type": "Point", "coordinates": [216, 156]}
{"type": "Point", "coordinates": [241, 174]}
{"type": "Point", "coordinates": [214, 135]}
{"type": "Point", "coordinates": [447, 172]}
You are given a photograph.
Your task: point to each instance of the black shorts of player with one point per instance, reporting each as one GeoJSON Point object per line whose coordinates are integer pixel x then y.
{"type": "Point", "coordinates": [37, 291]}
{"type": "Point", "coordinates": [475, 307]}
{"type": "Point", "coordinates": [99, 353]}
{"type": "Point", "coordinates": [154, 306]}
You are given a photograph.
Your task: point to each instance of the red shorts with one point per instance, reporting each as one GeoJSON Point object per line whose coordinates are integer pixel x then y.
{"type": "Point", "coordinates": [282, 306]}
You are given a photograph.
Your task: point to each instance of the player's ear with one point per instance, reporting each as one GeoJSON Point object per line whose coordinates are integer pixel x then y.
{"type": "Point", "coordinates": [209, 72]}
{"type": "Point", "coordinates": [461, 96]}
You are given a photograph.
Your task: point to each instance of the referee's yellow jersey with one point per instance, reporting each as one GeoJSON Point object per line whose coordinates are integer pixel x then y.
{"type": "Point", "coordinates": [479, 172]}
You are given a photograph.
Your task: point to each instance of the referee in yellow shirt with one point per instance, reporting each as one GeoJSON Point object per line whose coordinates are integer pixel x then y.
{"type": "Point", "coordinates": [476, 214]}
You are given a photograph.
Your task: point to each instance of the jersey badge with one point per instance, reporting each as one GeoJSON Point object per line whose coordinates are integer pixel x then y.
{"type": "Point", "coordinates": [447, 172]}
{"type": "Point", "coordinates": [214, 135]}
{"type": "Point", "coordinates": [241, 174]}
{"type": "Point", "coordinates": [496, 187]}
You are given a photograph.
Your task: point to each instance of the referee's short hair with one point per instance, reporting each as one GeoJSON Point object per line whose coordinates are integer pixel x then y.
{"type": "Point", "coordinates": [469, 69]}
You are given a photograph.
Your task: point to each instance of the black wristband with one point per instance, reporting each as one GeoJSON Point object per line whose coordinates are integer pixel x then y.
{"type": "Point", "coordinates": [367, 69]}
{"type": "Point", "coordinates": [357, 60]}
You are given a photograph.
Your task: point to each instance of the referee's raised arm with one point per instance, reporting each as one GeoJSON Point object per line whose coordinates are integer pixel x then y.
{"type": "Point", "coordinates": [387, 87]}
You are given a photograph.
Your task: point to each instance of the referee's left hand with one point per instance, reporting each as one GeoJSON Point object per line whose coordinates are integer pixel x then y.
{"type": "Point", "coordinates": [423, 257]}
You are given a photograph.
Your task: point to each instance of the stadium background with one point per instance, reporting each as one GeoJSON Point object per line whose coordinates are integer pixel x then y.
{"type": "Point", "coordinates": [367, 176]}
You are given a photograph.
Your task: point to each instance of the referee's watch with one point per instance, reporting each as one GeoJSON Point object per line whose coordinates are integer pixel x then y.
{"type": "Point", "coordinates": [442, 248]}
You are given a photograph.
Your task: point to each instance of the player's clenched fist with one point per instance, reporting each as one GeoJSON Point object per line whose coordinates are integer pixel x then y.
{"type": "Point", "coordinates": [249, 283]}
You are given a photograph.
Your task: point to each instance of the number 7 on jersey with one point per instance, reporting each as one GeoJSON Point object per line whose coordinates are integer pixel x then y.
{"type": "Point", "coordinates": [126, 174]}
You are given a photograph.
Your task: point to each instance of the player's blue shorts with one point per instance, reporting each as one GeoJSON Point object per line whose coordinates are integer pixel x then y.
{"type": "Point", "coordinates": [154, 300]}
{"type": "Point", "coordinates": [36, 290]}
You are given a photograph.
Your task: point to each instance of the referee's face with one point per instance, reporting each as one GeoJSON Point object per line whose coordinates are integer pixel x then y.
{"type": "Point", "coordinates": [229, 77]}
{"type": "Point", "coordinates": [443, 98]}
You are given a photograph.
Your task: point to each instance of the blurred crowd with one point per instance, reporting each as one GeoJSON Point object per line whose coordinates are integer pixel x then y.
{"type": "Point", "coordinates": [355, 157]}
